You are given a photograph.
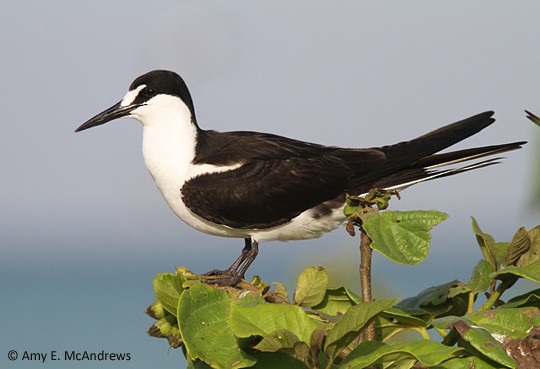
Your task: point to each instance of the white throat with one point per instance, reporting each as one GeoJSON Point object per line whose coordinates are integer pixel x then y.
{"type": "Point", "coordinates": [169, 139]}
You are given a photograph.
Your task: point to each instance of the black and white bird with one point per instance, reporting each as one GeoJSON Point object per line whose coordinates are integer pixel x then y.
{"type": "Point", "coordinates": [261, 187]}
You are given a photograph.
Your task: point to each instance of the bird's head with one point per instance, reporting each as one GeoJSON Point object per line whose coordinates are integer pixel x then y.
{"type": "Point", "coordinates": [154, 98]}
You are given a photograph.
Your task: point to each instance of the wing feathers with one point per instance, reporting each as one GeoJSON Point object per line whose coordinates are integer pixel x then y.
{"type": "Point", "coordinates": [280, 178]}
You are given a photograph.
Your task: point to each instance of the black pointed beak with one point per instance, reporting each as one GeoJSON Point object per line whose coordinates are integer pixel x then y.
{"type": "Point", "coordinates": [114, 112]}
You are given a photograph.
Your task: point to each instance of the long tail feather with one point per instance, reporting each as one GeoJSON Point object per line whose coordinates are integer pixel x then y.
{"type": "Point", "coordinates": [454, 157]}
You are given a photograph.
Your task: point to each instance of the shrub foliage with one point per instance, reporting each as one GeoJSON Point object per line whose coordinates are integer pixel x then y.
{"type": "Point", "coordinates": [261, 326]}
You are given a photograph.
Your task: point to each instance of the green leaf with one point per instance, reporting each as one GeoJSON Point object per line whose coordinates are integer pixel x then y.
{"type": "Point", "coordinates": [520, 244]}
{"type": "Point", "coordinates": [501, 250]}
{"type": "Point", "coordinates": [275, 360]}
{"type": "Point", "coordinates": [167, 288]}
{"type": "Point", "coordinates": [412, 318]}
{"type": "Point", "coordinates": [533, 254]}
{"type": "Point", "coordinates": [531, 298]}
{"type": "Point", "coordinates": [446, 321]}
{"type": "Point", "coordinates": [486, 243]}
{"type": "Point", "coordinates": [394, 320]}
{"type": "Point", "coordinates": [281, 290]}
{"type": "Point", "coordinates": [167, 327]}
{"type": "Point", "coordinates": [401, 236]}
{"type": "Point", "coordinates": [530, 272]}
{"type": "Point", "coordinates": [197, 364]}
{"type": "Point", "coordinates": [480, 279]}
{"type": "Point", "coordinates": [428, 353]}
{"type": "Point", "coordinates": [285, 341]}
{"type": "Point", "coordinates": [257, 281]}
{"type": "Point", "coordinates": [403, 361]}
{"type": "Point", "coordinates": [446, 299]}
{"type": "Point", "coordinates": [466, 362]}
{"type": "Point", "coordinates": [337, 301]}
{"type": "Point", "coordinates": [507, 323]}
{"type": "Point", "coordinates": [386, 328]}
{"type": "Point", "coordinates": [352, 206]}
{"type": "Point", "coordinates": [483, 341]}
{"type": "Point", "coordinates": [354, 320]}
{"type": "Point", "coordinates": [534, 235]}
{"type": "Point", "coordinates": [204, 319]}
{"type": "Point", "coordinates": [311, 286]}
{"type": "Point", "coordinates": [156, 310]}
{"type": "Point", "coordinates": [265, 318]}
{"type": "Point", "coordinates": [277, 340]}
{"type": "Point", "coordinates": [458, 289]}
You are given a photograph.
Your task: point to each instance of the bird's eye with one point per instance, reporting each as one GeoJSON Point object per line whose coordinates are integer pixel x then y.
{"type": "Point", "coordinates": [149, 92]}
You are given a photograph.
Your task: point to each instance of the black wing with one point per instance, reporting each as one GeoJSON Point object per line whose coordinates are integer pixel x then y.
{"type": "Point", "coordinates": [280, 177]}
{"type": "Point", "coordinates": [266, 193]}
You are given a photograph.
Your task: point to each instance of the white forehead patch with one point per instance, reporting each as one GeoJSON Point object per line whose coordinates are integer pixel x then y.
{"type": "Point", "coordinates": [131, 95]}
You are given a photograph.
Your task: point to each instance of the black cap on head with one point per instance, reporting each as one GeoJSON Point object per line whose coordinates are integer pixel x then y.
{"type": "Point", "coordinates": [162, 82]}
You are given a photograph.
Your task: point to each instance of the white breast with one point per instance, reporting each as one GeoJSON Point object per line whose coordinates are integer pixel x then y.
{"type": "Point", "coordinates": [168, 150]}
{"type": "Point", "coordinates": [169, 139]}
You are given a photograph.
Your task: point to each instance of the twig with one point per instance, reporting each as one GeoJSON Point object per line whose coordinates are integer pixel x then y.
{"type": "Point", "coordinates": [494, 297]}
{"type": "Point", "coordinates": [366, 253]}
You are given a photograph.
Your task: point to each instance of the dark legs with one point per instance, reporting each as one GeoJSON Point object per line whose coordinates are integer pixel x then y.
{"type": "Point", "coordinates": [235, 273]}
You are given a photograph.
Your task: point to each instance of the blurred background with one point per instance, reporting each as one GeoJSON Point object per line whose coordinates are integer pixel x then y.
{"type": "Point", "coordinates": [83, 229]}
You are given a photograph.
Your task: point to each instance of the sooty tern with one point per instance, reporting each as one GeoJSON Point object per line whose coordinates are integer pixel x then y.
{"type": "Point", "coordinates": [260, 186]}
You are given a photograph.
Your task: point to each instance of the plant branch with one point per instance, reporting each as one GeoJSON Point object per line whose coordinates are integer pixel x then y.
{"type": "Point", "coordinates": [423, 332]}
{"type": "Point", "coordinates": [470, 307]}
{"type": "Point", "coordinates": [366, 253]}
{"type": "Point", "coordinates": [494, 297]}
{"type": "Point", "coordinates": [442, 332]}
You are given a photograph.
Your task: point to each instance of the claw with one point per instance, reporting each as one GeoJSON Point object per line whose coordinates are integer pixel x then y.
{"type": "Point", "coordinates": [235, 273]}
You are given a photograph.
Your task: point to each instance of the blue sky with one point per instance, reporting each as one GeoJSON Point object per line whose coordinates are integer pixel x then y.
{"type": "Point", "coordinates": [83, 230]}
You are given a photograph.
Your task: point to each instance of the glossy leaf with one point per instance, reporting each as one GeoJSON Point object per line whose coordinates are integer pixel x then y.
{"type": "Point", "coordinates": [167, 288]}
{"type": "Point", "coordinates": [401, 236]}
{"type": "Point", "coordinates": [465, 363]}
{"type": "Point", "coordinates": [533, 254]}
{"type": "Point", "coordinates": [531, 298]}
{"type": "Point", "coordinates": [479, 338]}
{"type": "Point", "coordinates": [446, 299]}
{"type": "Point", "coordinates": [311, 286]}
{"type": "Point", "coordinates": [508, 323]}
{"type": "Point", "coordinates": [480, 279]}
{"type": "Point", "coordinates": [428, 353]}
{"type": "Point", "coordinates": [281, 290]}
{"type": "Point", "coordinates": [354, 320]}
{"type": "Point", "coordinates": [285, 341]}
{"type": "Point", "coordinates": [276, 360]}
{"type": "Point", "coordinates": [167, 327]}
{"type": "Point", "coordinates": [412, 318]}
{"type": "Point", "coordinates": [520, 244]}
{"type": "Point", "coordinates": [530, 272]}
{"type": "Point", "coordinates": [501, 250]}
{"type": "Point", "coordinates": [156, 310]}
{"type": "Point", "coordinates": [204, 319]}
{"type": "Point", "coordinates": [486, 243]}
{"type": "Point", "coordinates": [277, 340]}
{"type": "Point", "coordinates": [337, 301]}
{"type": "Point", "coordinates": [265, 318]}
